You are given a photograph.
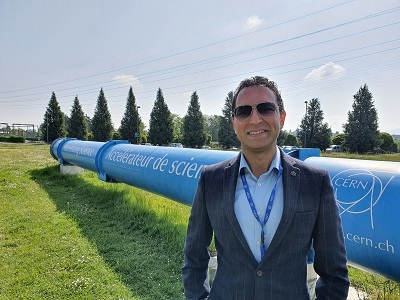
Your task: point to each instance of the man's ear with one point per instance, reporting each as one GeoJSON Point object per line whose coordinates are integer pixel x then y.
{"type": "Point", "coordinates": [282, 118]}
{"type": "Point", "coordinates": [233, 124]}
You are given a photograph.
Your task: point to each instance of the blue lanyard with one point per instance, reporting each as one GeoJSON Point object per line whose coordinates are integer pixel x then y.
{"type": "Point", "coordinates": [253, 207]}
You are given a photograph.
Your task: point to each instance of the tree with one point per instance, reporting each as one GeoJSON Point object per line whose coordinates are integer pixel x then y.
{"type": "Point", "coordinates": [362, 123]}
{"type": "Point", "coordinates": [226, 134]}
{"type": "Point", "coordinates": [396, 145]}
{"type": "Point", "coordinates": [177, 128]}
{"type": "Point", "coordinates": [340, 139]}
{"type": "Point", "coordinates": [130, 123]}
{"type": "Point", "coordinates": [291, 140]}
{"type": "Point", "coordinates": [116, 135]}
{"type": "Point", "coordinates": [102, 127]}
{"type": "Point", "coordinates": [161, 127]}
{"type": "Point", "coordinates": [211, 124]}
{"type": "Point", "coordinates": [193, 124]}
{"type": "Point", "coordinates": [89, 123]}
{"type": "Point", "coordinates": [281, 138]}
{"type": "Point", "coordinates": [208, 140]}
{"type": "Point", "coordinates": [312, 129]}
{"type": "Point", "coordinates": [53, 126]}
{"type": "Point", "coordinates": [387, 142]}
{"type": "Point", "coordinates": [77, 125]}
{"type": "Point", "coordinates": [287, 139]}
{"type": "Point", "coordinates": [66, 123]}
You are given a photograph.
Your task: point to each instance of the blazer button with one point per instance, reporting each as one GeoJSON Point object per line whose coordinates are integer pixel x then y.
{"type": "Point", "coordinates": [259, 273]}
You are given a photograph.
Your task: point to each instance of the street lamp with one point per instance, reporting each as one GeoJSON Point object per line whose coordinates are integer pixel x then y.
{"type": "Point", "coordinates": [137, 125]}
{"type": "Point", "coordinates": [47, 123]}
{"type": "Point", "coordinates": [305, 127]}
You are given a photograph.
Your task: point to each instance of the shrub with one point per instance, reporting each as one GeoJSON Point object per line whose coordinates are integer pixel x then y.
{"type": "Point", "coordinates": [12, 139]}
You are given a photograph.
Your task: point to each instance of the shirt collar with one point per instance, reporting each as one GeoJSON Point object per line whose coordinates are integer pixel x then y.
{"type": "Point", "coordinates": [276, 161]}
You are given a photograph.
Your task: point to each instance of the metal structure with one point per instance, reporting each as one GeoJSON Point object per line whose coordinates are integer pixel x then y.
{"type": "Point", "coordinates": [367, 192]}
{"type": "Point", "coordinates": [5, 130]}
{"type": "Point", "coordinates": [26, 132]}
{"type": "Point", "coordinates": [14, 129]}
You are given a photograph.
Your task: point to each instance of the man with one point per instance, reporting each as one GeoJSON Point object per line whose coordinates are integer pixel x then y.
{"type": "Point", "coordinates": [264, 209]}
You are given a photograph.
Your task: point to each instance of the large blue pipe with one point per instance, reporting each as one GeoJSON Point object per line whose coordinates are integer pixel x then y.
{"type": "Point", "coordinates": [367, 192]}
{"type": "Point", "coordinates": [368, 196]}
{"type": "Point", "coordinates": [171, 172]}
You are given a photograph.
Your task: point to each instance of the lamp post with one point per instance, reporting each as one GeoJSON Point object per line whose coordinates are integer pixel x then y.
{"type": "Point", "coordinates": [137, 125]}
{"type": "Point", "coordinates": [305, 126]}
{"type": "Point", "coordinates": [47, 123]}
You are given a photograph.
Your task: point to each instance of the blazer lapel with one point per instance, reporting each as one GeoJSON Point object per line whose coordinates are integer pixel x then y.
{"type": "Point", "coordinates": [229, 188]}
{"type": "Point", "coordinates": [291, 181]}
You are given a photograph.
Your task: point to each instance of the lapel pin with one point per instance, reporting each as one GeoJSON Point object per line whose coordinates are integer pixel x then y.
{"type": "Point", "coordinates": [293, 173]}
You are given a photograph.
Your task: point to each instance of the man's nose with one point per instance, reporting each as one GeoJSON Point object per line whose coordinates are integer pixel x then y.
{"type": "Point", "coordinates": [255, 117]}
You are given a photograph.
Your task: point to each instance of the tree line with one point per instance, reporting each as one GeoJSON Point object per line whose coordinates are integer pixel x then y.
{"type": "Point", "coordinates": [195, 130]}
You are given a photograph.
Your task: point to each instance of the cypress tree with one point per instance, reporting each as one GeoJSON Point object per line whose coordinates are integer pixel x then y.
{"type": "Point", "coordinates": [318, 134]}
{"type": "Point", "coordinates": [193, 124]}
{"type": "Point", "coordinates": [161, 126]}
{"type": "Point", "coordinates": [101, 123]}
{"type": "Point", "coordinates": [77, 126]}
{"type": "Point", "coordinates": [362, 123]}
{"type": "Point", "coordinates": [53, 126]}
{"type": "Point", "coordinates": [226, 134]}
{"type": "Point", "coordinates": [130, 123]}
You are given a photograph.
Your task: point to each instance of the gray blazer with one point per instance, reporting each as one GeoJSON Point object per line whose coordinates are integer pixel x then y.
{"type": "Point", "coordinates": [310, 213]}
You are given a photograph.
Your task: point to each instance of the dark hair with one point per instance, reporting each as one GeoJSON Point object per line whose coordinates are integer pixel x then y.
{"type": "Point", "coordinates": [258, 81]}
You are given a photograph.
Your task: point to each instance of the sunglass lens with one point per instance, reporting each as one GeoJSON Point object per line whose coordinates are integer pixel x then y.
{"type": "Point", "coordinates": [266, 109]}
{"type": "Point", "coordinates": [243, 112]}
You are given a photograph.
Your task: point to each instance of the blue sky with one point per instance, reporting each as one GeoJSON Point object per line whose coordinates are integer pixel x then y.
{"type": "Point", "coordinates": [312, 49]}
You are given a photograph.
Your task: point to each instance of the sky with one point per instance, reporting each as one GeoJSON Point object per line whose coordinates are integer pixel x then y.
{"type": "Point", "coordinates": [311, 49]}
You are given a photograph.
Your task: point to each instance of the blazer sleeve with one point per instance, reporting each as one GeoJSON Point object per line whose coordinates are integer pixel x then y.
{"type": "Point", "coordinates": [198, 238]}
{"type": "Point", "coordinates": [330, 253]}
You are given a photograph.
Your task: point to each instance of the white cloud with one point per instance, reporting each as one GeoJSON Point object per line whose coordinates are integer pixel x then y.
{"type": "Point", "coordinates": [128, 80]}
{"type": "Point", "coordinates": [326, 71]}
{"type": "Point", "coordinates": [253, 22]}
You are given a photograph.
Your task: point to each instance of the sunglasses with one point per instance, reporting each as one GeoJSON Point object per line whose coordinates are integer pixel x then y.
{"type": "Point", "coordinates": [265, 109]}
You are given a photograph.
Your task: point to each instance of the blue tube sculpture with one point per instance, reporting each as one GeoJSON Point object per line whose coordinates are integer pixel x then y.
{"type": "Point", "coordinates": [367, 192]}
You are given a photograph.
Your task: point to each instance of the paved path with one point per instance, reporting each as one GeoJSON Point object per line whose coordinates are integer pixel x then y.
{"type": "Point", "coordinates": [354, 295]}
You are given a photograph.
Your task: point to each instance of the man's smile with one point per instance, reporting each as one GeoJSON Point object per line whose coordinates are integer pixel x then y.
{"type": "Point", "coordinates": [257, 132]}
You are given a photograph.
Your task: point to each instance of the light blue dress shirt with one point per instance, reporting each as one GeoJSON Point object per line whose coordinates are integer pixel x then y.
{"type": "Point", "coordinates": [260, 190]}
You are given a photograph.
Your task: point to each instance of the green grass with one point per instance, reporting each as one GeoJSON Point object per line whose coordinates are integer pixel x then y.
{"type": "Point", "coordinates": [384, 157]}
{"type": "Point", "coordinates": [375, 286]}
{"type": "Point", "coordinates": [76, 237]}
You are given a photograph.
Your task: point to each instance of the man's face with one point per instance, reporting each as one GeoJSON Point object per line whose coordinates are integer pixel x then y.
{"type": "Point", "coordinates": [258, 133]}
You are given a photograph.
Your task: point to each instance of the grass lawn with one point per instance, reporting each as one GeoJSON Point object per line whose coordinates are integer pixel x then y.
{"type": "Point", "coordinates": [76, 237]}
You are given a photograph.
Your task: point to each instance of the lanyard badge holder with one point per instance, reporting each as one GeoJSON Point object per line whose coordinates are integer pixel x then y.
{"type": "Point", "coordinates": [254, 210]}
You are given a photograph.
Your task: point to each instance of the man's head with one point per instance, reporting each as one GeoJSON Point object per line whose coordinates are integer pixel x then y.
{"type": "Point", "coordinates": [258, 115]}
{"type": "Point", "coordinates": [258, 81]}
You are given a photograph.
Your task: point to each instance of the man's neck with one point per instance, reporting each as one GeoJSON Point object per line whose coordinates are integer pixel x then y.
{"type": "Point", "coordinates": [259, 162]}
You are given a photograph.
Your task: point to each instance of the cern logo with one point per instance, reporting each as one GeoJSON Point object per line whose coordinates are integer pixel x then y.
{"type": "Point", "coordinates": [358, 191]}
